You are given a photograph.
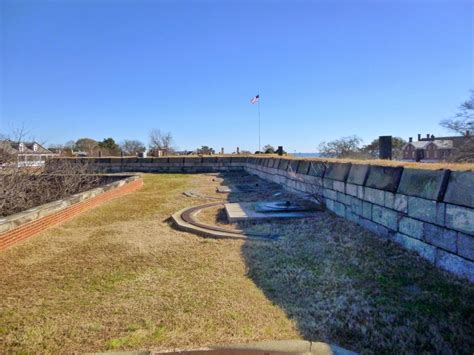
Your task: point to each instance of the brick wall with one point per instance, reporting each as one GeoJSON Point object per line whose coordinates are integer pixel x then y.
{"type": "Point", "coordinates": [18, 227]}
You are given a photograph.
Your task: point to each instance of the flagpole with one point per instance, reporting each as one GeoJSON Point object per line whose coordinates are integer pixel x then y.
{"type": "Point", "coordinates": [259, 123]}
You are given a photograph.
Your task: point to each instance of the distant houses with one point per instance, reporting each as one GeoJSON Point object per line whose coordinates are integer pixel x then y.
{"type": "Point", "coordinates": [434, 148]}
{"type": "Point", "coordinates": [24, 153]}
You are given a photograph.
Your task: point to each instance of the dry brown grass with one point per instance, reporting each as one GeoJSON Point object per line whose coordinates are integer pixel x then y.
{"type": "Point", "coordinates": [344, 285]}
{"type": "Point", "coordinates": [119, 277]}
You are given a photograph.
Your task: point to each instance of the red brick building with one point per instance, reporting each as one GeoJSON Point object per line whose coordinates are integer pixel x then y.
{"type": "Point", "coordinates": [432, 148]}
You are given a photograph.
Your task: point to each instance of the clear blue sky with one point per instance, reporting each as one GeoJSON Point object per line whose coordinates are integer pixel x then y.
{"type": "Point", "coordinates": [324, 69]}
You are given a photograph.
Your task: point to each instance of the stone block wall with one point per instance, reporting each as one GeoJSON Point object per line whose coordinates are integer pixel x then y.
{"type": "Point", "coordinates": [23, 225]}
{"type": "Point", "coordinates": [428, 211]}
{"type": "Point", "coordinates": [186, 164]}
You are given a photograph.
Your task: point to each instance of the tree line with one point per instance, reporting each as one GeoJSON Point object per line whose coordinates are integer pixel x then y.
{"type": "Point", "coordinates": [158, 141]}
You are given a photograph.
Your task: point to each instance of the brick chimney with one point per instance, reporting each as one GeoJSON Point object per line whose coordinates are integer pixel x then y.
{"type": "Point", "coordinates": [419, 137]}
{"type": "Point", "coordinates": [410, 139]}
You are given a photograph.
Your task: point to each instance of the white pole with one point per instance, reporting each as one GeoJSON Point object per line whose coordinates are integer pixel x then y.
{"type": "Point", "coordinates": [259, 123]}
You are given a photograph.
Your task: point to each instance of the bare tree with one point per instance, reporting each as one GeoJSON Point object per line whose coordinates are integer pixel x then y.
{"type": "Point", "coordinates": [345, 147]}
{"type": "Point", "coordinates": [69, 144]}
{"type": "Point", "coordinates": [23, 187]}
{"type": "Point", "coordinates": [463, 121]}
{"type": "Point", "coordinates": [18, 133]}
{"type": "Point", "coordinates": [465, 153]}
{"type": "Point", "coordinates": [268, 149]}
{"type": "Point", "coordinates": [132, 146]}
{"type": "Point", "coordinates": [161, 141]}
{"type": "Point", "coordinates": [463, 124]}
{"type": "Point", "coordinates": [205, 150]}
{"type": "Point", "coordinates": [372, 149]}
{"type": "Point", "coordinates": [87, 145]}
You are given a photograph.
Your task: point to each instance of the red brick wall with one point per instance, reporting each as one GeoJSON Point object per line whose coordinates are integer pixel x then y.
{"type": "Point", "coordinates": [27, 230]}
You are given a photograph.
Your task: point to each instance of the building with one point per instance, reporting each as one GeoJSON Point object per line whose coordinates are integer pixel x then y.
{"type": "Point", "coordinates": [79, 154]}
{"type": "Point", "coordinates": [24, 153]}
{"type": "Point", "coordinates": [434, 148]}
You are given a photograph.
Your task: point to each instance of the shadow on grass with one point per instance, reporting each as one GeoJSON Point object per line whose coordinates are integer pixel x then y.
{"type": "Point", "coordinates": [344, 285]}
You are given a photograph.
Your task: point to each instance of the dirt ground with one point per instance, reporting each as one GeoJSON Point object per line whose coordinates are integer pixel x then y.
{"type": "Point", "coordinates": [119, 277]}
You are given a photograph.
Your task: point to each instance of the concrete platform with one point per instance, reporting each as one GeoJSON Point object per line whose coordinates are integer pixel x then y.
{"type": "Point", "coordinates": [225, 189]}
{"type": "Point", "coordinates": [185, 220]}
{"type": "Point", "coordinates": [242, 188]}
{"type": "Point", "coordinates": [204, 232]}
{"type": "Point", "coordinates": [245, 211]}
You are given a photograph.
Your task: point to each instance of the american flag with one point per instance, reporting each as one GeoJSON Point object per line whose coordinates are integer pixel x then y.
{"type": "Point", "coordinates": [255, 99]}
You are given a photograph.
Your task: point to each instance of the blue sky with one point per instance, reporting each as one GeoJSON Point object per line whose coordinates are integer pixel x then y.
{"type": "Point", "coordinates": [324, 69]}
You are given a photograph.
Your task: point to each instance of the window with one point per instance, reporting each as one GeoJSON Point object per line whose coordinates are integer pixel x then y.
{"type": "Point", "coordinates": [35, 147]}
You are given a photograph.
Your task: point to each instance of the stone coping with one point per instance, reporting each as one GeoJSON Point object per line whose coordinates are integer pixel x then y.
{"type": "Point", "coordinates": [460, 188]}
{"type": "Point", "coordinates": [428, 184]}
{"type": "Point", "coordinates": [16, 220]}
{"type": "Point", "coordinates": [442, 185]}
{"type": "Point", "coordinates": [252, 158]}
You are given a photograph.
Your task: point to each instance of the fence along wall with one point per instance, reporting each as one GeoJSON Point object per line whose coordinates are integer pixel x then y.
{"type": "Point", "coordinates": [428, 211]}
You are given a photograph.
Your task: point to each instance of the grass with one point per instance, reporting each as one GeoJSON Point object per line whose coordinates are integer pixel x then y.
{"type": "Point", "coordinates": [344, 285]}
{"type": "Point", "coordinates": [119, 277]}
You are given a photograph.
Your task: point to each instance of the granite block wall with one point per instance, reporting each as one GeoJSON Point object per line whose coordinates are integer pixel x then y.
{"type": "Point", "coordinates": [430, 212]}
{"type": "Point", "coordinates": [162, 164]}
